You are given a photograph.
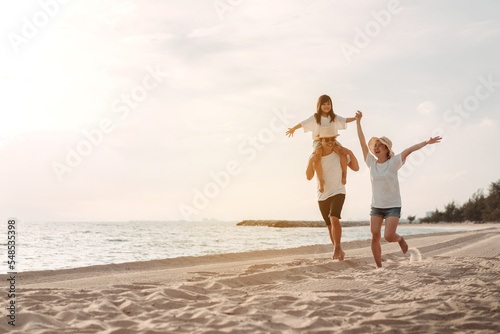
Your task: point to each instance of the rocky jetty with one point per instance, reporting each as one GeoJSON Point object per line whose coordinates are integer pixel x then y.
{"type": "Point", "coordinates": [296, 223]}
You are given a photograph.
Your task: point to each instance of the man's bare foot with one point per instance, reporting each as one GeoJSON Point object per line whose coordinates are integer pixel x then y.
{"type": "Point", "coordinates": [338, 256]}
{"type": "Point", "coordinates": [403, 245]}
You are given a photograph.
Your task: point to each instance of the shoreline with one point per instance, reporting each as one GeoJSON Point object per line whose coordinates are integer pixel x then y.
{"type": "Point", "coordinates": [193, 261]}
{"type": "Point", "coordinates": [209, 257]}
{"type": "Point", "coordinates": [346, 223]}
{"type": "Point", "coordinates": [453, 225]}
{"type": "Point", "coordinates": [297, 223]}
{"type": "Point", "coordinates": [448, 281]}
{"type": "Point", "coordinates": [189, 258]}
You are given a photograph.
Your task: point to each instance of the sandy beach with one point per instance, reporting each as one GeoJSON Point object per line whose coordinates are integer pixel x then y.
{"type": "Point", "coordinates": [446, 283]}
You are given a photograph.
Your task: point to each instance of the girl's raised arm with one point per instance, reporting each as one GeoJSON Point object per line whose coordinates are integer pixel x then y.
{"type": "Point", "coordinates": [290, 131]}
{"type": "Point", "coordinates": [361, 136]}
{"type": "Point", "coordinates": [418, 146]}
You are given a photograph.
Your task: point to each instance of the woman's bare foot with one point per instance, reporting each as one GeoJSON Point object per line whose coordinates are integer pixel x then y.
{"type": "Point", "coordinates": [403, 245]}
{"type": "Point", "coordinates": [339, 256]}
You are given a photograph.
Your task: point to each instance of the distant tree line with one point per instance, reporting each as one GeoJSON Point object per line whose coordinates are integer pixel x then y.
{"type": "Point", "coordinates": [478, 209]}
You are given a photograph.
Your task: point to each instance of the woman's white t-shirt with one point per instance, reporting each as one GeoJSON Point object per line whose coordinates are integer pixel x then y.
{"type": "Point", "coordinates": [385, 183]}
{"type": "Point", "coordinates": [310, 124]}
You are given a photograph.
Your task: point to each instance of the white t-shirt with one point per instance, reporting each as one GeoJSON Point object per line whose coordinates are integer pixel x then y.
{"type": "Point", "coordinates": [310, 124]}
{"type": "Point", "coordinates": [332, 174]}
{"type": "Point", "coordinates": [385, 183]}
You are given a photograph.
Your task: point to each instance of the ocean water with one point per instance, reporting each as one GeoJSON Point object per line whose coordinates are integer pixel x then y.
{"type": "Point", "coordinates": [51, 245]}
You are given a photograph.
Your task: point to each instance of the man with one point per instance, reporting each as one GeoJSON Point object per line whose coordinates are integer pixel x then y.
{"type": "Point", "coordinates": [331, 200]}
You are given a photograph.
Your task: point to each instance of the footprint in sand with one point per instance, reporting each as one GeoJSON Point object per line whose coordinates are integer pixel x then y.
{"type": "Point", "coordinates": [415, 255]}
{"type": "Point", "coordinates": [258, 268]}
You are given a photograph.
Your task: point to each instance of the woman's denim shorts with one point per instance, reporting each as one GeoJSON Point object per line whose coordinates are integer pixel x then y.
{"type": "Point", "coordinates": [384, 213]}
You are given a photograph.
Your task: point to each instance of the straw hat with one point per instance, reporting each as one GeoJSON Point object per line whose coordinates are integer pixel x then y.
{"type": "Point", "coordinates": [326, 132]}
{"type": "Point", "coordinates": [384, 140]}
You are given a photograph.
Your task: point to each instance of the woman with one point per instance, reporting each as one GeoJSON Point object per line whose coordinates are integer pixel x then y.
{"type": "Point", "coordinates": [386, 198]}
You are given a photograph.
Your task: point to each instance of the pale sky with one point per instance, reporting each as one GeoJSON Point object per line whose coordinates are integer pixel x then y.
{"type": "Point", "coordinates": [169, 110]}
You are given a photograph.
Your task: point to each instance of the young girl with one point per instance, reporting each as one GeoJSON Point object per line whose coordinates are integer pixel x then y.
{"type": "Point", "coordinates": [324, 116]}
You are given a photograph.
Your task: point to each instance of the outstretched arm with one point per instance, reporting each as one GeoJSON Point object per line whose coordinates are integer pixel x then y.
{"type": "Point", "coordinates": [361, 136]}
{"type": "Point", "coordinates": [418, 146]}
{"type": "Point", "coordinates": [290, 131]}
{"type": "Point", "coordinates": [350, 119]}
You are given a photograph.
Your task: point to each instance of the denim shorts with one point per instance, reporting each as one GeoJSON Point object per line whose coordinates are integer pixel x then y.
{"type": "Point", "coordinates": [387, 212]}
